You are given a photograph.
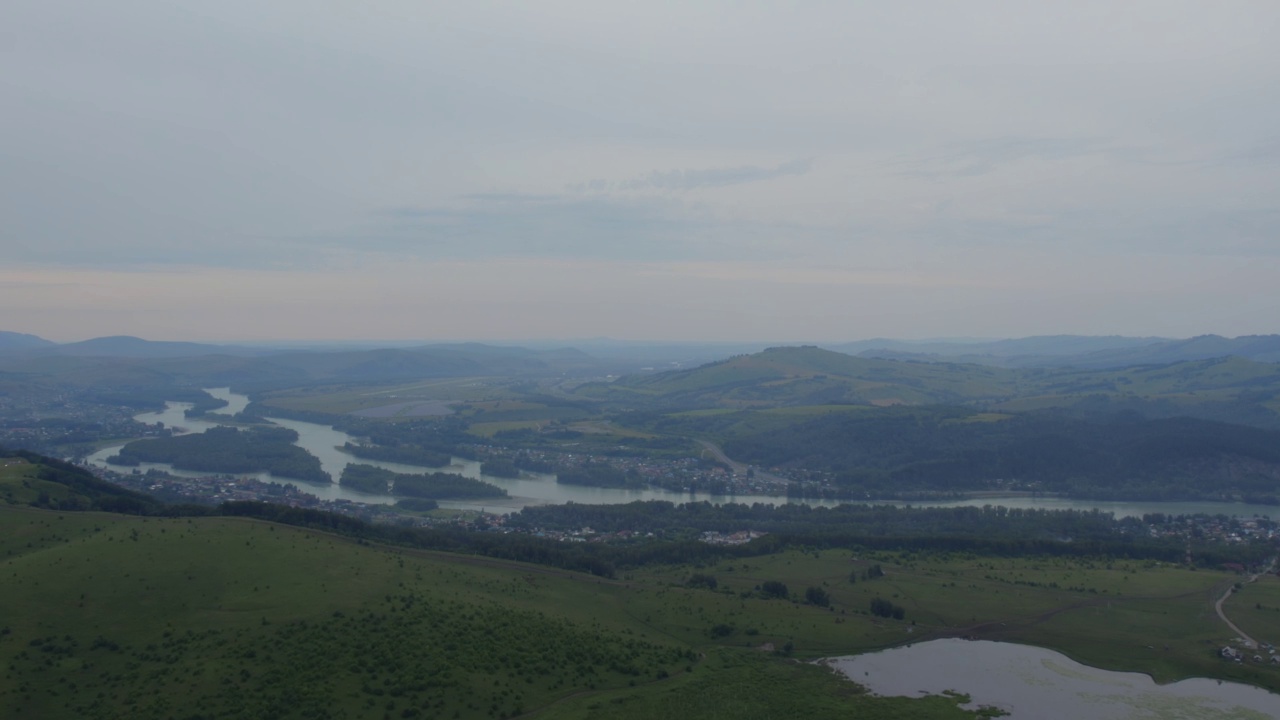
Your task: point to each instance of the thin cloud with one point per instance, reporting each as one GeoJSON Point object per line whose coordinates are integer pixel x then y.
{"type": "Point", "coordinates": [985, 156]}
{"type": "Point", "coordinates": [1060, 135]}
{"type": "Point", "coordinates": [685, 180]}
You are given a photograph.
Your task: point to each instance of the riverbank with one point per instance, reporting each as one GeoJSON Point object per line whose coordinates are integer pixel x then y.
{"type": "Point", "coordinates": [532, 489]}
{"type": "Point", "coordinates": [1032, 683]}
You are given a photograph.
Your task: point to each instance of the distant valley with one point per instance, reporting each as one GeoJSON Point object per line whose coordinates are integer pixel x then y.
{"type": "Point", "coordinates": [236, 587]}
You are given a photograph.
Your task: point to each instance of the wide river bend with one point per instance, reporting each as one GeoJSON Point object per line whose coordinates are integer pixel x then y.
{"type": "Point", "coordinates": [542, 489]}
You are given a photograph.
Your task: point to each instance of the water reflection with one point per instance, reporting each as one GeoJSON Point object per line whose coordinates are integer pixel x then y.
{"type": "Point", "coordinates": [541, 489]}
{"type": "Point", "coordinates": [323, 441]}
{"type": "Point", "coordinates": [1038, 684]}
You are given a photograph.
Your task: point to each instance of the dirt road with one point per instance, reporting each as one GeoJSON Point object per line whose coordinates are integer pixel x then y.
{"type": "Point", "coordinates": [1231, 589]}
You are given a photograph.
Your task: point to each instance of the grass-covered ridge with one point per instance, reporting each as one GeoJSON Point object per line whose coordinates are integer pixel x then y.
{"type": "Point", "coordinates": [28, 478]}
{"type": "Point", "coordinates": [230, 616]}
{"type": "Point", "coordinates": [115, 616]}
{"type": "Point", "coordinates": [1229, 389]}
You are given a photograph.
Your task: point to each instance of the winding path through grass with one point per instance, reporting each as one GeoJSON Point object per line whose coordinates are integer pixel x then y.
{"type": "Point", "coordinates": [1250, 642]}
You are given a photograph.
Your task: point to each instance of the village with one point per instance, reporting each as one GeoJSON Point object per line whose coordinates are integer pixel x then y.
{"type": "Point", "coordinates": [215, 489]}
{"type": "Point", "coordinates": [1214, 528]}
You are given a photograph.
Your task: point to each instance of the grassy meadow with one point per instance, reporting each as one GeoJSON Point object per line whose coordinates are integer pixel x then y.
{"type": "Point", "coordinates": [108, 616]}
{"type": "Point", "coordinates": [1256, 609]}
{"type": "Point", "coordinates": [342, 399]}
{"type": "Point", "coordinates": [111, 616]}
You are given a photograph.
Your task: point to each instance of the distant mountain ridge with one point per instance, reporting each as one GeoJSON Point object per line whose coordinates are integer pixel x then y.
{"type": "Point", "coordinates": [136, 347]}
{"type": "Point", "coordinates": [22, 341]}
{"type": "Point", "coordinates": [1229, 389]}
{"type": "Point", "coordinates": [1038, 345]}
{"type": "Point", "coordinates": [1076, 351]}
{"type": "Point", "coordinates": [124, 346]}
{"type": "Point", "coordinates": [128, 362]}
{"type": "Point", "coordinates": [808, 375]}
{"type": "Point", "coordinates": [1046, 351]}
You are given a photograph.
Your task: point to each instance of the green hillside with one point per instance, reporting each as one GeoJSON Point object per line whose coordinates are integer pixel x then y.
{"type": "Point", "coordinates": [30, 479]}
{"type": "Point", "coordinates": [112, 616]}
{"type": "Point", "coordinates": [109, 616]}
{"type": "Point", "coordinates": [1225, 389]}
{"type": "Point", "coordinates": [807, 376]}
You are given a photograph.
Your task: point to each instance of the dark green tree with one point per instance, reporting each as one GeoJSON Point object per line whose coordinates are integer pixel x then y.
{"type": "Point", "coordinates": [817, 596]}
{"type": "Point", "coordinates": [774, 589]}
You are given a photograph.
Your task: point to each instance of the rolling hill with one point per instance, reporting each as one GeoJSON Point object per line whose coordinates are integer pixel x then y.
{"type": "Point", "coordinates": [167, 615]}
{"type": "Point", "coordinates": [1225, 389]}
{"type": "Point", "coordinates": [109, 616]}
{"type": "Point", "coordinates": [19, 342]}
{"type": "Point", "coordinates": [1077, 351]}
{"type": "Point", "coordinates": [188, 365]}
{"type": "Point", "coordinates": [806, 376]}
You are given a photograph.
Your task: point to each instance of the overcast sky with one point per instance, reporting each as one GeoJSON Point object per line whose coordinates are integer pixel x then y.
{"type": "Point", "coordinates": [704, 170]}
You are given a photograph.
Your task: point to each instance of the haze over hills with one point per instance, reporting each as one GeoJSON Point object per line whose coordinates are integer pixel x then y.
{"type": "Point", "coordinates": [1226, 389]}
{"type": "Point", "coordinates": [1055, 370]}
{"type": "Point", "coordinates": [135, 347]}
{"type": "Point", "coordinates": [12, 341]}
{"type": "Point", "coordinates": [1039, 346]}
{"type": "Point", "coordinates": [1075, 351]}
{"type": "Point", "coordinates": [1035, 351]}
{"type": "Point", "coordinates": [603, 354]}
{"type": "Point", "coordinates": [293, 369]}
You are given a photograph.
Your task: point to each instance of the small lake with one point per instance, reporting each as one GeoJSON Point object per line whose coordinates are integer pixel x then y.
{"type": "Point", "coordinates": [542, 489]}
{"type": "Point", "coordinates": [1032, 683]}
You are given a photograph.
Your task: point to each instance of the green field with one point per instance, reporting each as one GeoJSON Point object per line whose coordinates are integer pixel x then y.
{"type": "Point", "coordinates": [488, 429]}
{"type": "Point", "coordinates": [1256, 609]}
{"type": "Point", "coordinates": [21, 484]}
{"type": "Point", "coordinates": [342, 399]}
{"type": "Point", "coordinates": [111, 616]}
{"type": "Point", "coordinates": [1107, 608]}
{"type": "Point", "coordinates": [1229, 389]}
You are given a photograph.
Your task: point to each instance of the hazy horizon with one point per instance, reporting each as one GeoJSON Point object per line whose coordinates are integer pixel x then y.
{"type": "Point", "coordinates": [551, 341]}
{"type": "Point", "coordinates": [703, 172]}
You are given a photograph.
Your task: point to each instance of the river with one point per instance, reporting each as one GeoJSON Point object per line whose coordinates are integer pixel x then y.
{"type": "Point", "coordinates": [323, 441]}
{"type": "Point", "coordinates": [542, 489]}
{"type": "Point", "coordinates": [1032, 683]}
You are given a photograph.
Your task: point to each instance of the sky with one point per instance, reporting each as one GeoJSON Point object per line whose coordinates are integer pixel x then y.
{"type": "Point", "coordinates": [696, 170]}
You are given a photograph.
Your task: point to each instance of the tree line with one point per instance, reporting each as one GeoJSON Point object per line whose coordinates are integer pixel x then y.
{"type": "Point", "coordinates": [427, 486]}
{"type": "Point", "coordinates": [951, 449]}
{"type": "Point", "coordinates": [229, 450]}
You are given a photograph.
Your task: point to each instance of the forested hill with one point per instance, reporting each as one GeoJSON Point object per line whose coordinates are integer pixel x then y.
{"type": "Point", "coordinates": [949, 449]}
{"type": "Point", "coordinates": [809, 375]}
{"type": "Point", "coordinates": [138, 365]}
{"type": "Point", "coordinates": [27, 478]}
{"type": "Point", "coordinates": [1078, 352]}
{"type": "Point", "coordinates": [229, 450]}
{"type": "Point", "coordinates": [1226, 389]}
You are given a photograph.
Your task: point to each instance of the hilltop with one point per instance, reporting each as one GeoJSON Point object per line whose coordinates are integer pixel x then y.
{"type": "Point", "coordinates": [808, 375]}
{"type": "Point", "coordinates": [1229, 389]}
{"type": "Point", "coordinates": [27, 478]}
{"type": "Point", "coordinates": [139, 365]}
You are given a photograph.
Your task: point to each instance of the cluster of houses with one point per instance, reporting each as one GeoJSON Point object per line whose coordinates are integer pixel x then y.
{"type": "Point", "coordinates": [686, 474]}
{"type": "Point", "coordinates": [76, 423]}
{"type": "Point", "coordinates": [1219, 528]}
{"type": "Point", "coordinates": [585, 534]}
{"type": "Point", "coordinates": [210, 489]}
{"type": "Point", "coordinates": [738, 538]}
{"type": "Point", "coordinates": [1248, 646]}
